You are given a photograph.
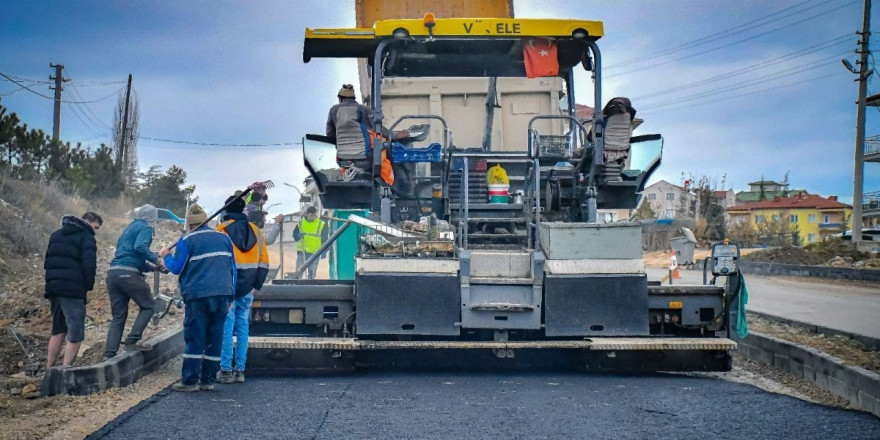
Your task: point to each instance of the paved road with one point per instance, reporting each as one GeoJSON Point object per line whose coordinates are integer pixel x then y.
{"type": "Point", "coordinates": [848, 306]}
{"type": "Point", "coordinates": [487, 406]}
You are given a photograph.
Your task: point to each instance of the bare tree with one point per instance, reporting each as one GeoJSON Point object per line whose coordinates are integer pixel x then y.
{"type": "Point", "coordinates": [126, 150]}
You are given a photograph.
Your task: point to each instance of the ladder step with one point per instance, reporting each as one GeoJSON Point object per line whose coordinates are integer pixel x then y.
{"type": "Point", "coordinates": [502, 307]}
{"type": "Point", "coordinates": [495, 220]}
{"type": "Point", "coordinates": [489, 206]}
{"type": "Point", "coordinates": [496, 280]}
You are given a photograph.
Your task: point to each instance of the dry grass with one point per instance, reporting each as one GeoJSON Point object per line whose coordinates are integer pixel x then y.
{"type": "Point", "coordinates": [31, 211]}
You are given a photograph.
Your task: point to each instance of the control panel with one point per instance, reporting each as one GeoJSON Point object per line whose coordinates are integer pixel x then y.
{"type": "Point", "coordinates": [725, 259]}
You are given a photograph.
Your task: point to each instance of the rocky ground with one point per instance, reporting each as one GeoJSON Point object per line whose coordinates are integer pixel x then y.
{"type": "Point", "coordinates": [836, 253]}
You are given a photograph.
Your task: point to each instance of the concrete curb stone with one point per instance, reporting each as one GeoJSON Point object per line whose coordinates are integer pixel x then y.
{"type": "Point", "coordinates": [838, 273]}
{"type": "Point", "coordinates": [869, 342]}
{"type": "Point", "coordinates": [123, 370]}
{"type": "Point", "coordinates": [855, 384]}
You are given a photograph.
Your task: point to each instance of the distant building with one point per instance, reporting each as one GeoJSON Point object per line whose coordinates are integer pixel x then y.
{"type": "Point", "coordinates": [816, 217]}
{"type": "Point", "coordinates": [725, 198]}
{"type": "Point", "coordinates": [668, 200]}
{"type": "Point", "coordinates": [765, 190]}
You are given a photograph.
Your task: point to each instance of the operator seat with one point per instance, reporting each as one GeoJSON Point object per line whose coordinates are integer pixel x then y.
{"type": "Point", "coordinates": [618, 115]}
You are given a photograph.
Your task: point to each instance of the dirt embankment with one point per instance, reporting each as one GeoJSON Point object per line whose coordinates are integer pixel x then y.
{"type": "Point", "coordinates": [835, 253]}
{"type": "Point", "coordinates": [30, 213]}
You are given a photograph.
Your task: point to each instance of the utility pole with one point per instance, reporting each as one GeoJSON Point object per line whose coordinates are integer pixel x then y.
{"type": "Point", "coordinates": [59, 82]}
{"type": "Point", "coordinates": [859, 166]}
{"type": "Point", "coordinates": [122, 154]}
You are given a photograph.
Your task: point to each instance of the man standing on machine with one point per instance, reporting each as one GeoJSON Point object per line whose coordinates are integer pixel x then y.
{"type": "Point", "coordinates": [310, 233]}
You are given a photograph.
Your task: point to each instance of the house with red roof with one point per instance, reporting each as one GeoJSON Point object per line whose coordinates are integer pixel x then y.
{"type": "Point", "coordinates": [816, 217]}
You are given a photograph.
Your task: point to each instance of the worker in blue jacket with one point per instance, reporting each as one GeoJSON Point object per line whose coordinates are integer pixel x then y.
{"type": "Point", "coordinates": [126, 282]}
{"type": "Point", "coordinates": [204, 260]}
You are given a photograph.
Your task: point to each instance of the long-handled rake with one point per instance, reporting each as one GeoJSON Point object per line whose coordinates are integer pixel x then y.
{"type": "Point", "coordinates": [252, 187]}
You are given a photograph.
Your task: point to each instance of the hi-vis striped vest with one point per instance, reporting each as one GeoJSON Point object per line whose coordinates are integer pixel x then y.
{"type": "Point", "coordinates": [250, 263]}
{"type": "Point", "coordinates": [311, 232]}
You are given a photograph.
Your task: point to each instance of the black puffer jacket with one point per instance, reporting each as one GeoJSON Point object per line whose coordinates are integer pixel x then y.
{"type": "Point", "coordinates": [70, 259]}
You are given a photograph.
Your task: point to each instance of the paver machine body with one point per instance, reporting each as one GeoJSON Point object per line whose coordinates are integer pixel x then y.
{"type": "Point", "coordinates": [536, 280]}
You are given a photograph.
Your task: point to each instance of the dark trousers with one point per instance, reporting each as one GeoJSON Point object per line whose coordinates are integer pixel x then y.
{"type": "Point", "coordinates": [301, 257]}
{"type": "Point", "coordinates": [203, 335]}
{"type": "Point", "coordinates": [122, 286]}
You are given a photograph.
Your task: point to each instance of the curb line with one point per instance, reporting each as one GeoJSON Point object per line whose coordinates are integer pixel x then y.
{"type": "Point", "coordinates": [869, 342]}
{"type": "Point", "coordinates": [798, 270]}
{"type": "Point", "coordinates": [120, 371]}
{"type": "Point", "coordinates": [855, 384]}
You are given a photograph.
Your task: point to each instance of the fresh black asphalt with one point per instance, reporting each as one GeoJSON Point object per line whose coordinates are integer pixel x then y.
{"type": "Point", "coordinates": [486, 406]}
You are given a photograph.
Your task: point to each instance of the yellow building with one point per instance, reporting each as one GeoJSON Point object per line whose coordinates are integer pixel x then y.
{"type": "Point", "coordinates": [815, 216]}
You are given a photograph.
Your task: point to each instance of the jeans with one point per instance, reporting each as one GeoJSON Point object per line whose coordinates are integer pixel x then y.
{"type": "Point", "coordinates": [122, 286]}
{"type": "Point", "coordinates": [301, 257]}
{"type": "Point", "coordinates": [236, 323]}
{"type": "Point", "coordinates": [203, 336]}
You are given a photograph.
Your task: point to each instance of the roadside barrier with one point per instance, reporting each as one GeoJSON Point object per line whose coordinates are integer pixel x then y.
{"type": "Point", "coordinates": [855, 384]}
{"type": "Point", "coordinates": [122, 370]}
{"type": "Point", "coordinates": [796, 270]}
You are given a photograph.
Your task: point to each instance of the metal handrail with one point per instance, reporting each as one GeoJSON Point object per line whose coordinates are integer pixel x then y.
{"type": "Point", "coordinates": [446, 131]}
{"type": "Point", "coordinates": [537, 235]}
{"type": "Point", "coordinates": [533, 134]}
{"type": "Point", "coordinates": [464, 202]}
{"type": "Point", "coordinates": [527, 206]}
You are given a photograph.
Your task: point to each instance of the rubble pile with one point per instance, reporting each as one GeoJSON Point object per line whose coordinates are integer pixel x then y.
{"type": "Point", "coordinates": [835, 253]}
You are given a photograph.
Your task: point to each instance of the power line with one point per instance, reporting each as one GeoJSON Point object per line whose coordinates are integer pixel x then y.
{"type": "Point", "coordinates": [734, 87]}
{"type": "Point", "coordinates": [51, 98]}
{"type": "Point", "coordinates": [718, 35]}
{"type": "Point", "coordinates": [726, 98]}
{"type": "Point", "coordinates": [822, 14]}
{"type": "Point", "coordinates": [25, 87]}
{"type": "Point", "coordinates": [757, 66]}
{"type": "Point", "coordinates": [77, 113]}
{"type": "Point", "coordinates": [88, 110]}
{"type": "Point", "coordinates": [664, 106]}
{"type": "Point", "coordinates": [28, 80]}
{"type": "Point", "coordinates": [212, 144]}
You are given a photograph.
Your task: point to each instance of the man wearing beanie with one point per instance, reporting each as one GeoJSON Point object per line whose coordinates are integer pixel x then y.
{"type": "Point", "coordinates": [252, 264]}
{"type": "Point", "coordinates": [126, 281]}
{"type": "Point", "coordinates": [204, 260]}
{"type": "Point", "coordinates": [348, 123]}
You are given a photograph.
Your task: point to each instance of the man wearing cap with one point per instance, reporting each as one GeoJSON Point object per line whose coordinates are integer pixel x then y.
{"type": "Point", "coordinates": [310, 232]}
{"type": "Point", "coordinates": [348, 123]}
{"type": "Point", "coordinates": [126, 281]}
{"type": "Point", "coordinates": [252, 267]}
{"type": "Point", "coordinates": [204, 260]}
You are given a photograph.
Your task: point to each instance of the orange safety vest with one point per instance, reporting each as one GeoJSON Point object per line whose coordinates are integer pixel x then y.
{"type": "Point", "coordinates": [257, 257]}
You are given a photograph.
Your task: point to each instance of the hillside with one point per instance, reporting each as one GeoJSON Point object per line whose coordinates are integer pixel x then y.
{"type": "Point", "coordinates": [29, 213]}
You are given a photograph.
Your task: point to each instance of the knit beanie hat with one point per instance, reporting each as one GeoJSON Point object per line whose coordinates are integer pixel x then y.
{"type": "Point", "coordinates": [235, 205]}
{"type": "Point", "coordinates": [347, 91]}
{"type": "Point", "coordinates": [196, 215]}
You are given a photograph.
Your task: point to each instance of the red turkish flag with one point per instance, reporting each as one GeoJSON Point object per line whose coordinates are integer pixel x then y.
{"type": "Point", "coordinates": [539, 55]}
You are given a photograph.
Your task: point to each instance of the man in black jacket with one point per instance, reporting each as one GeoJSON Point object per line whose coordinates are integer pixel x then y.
{"type": "Point", "coordinates": [70, 273]}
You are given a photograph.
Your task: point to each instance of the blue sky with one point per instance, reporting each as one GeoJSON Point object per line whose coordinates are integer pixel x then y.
{"type": "Point", "coordinates": [745, 89]}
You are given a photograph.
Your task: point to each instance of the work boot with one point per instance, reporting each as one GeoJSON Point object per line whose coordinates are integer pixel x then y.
{"type": "Point", "coordinates": [226, 377]}
{"type": "Point", "coordinates": [239, 376]}
{"type": "Point", "coordinates": [179, 386]}
{"type": "Point", "coordinates": [206, 386]}
{"type": "Point", "coordinates": [137, 346]}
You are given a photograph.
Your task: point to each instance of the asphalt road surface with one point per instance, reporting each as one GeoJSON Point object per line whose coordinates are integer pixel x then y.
{"type": "Point", "coordinates": [486, 406]}
{"type": "Point", "coordinates": [842, 305]}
